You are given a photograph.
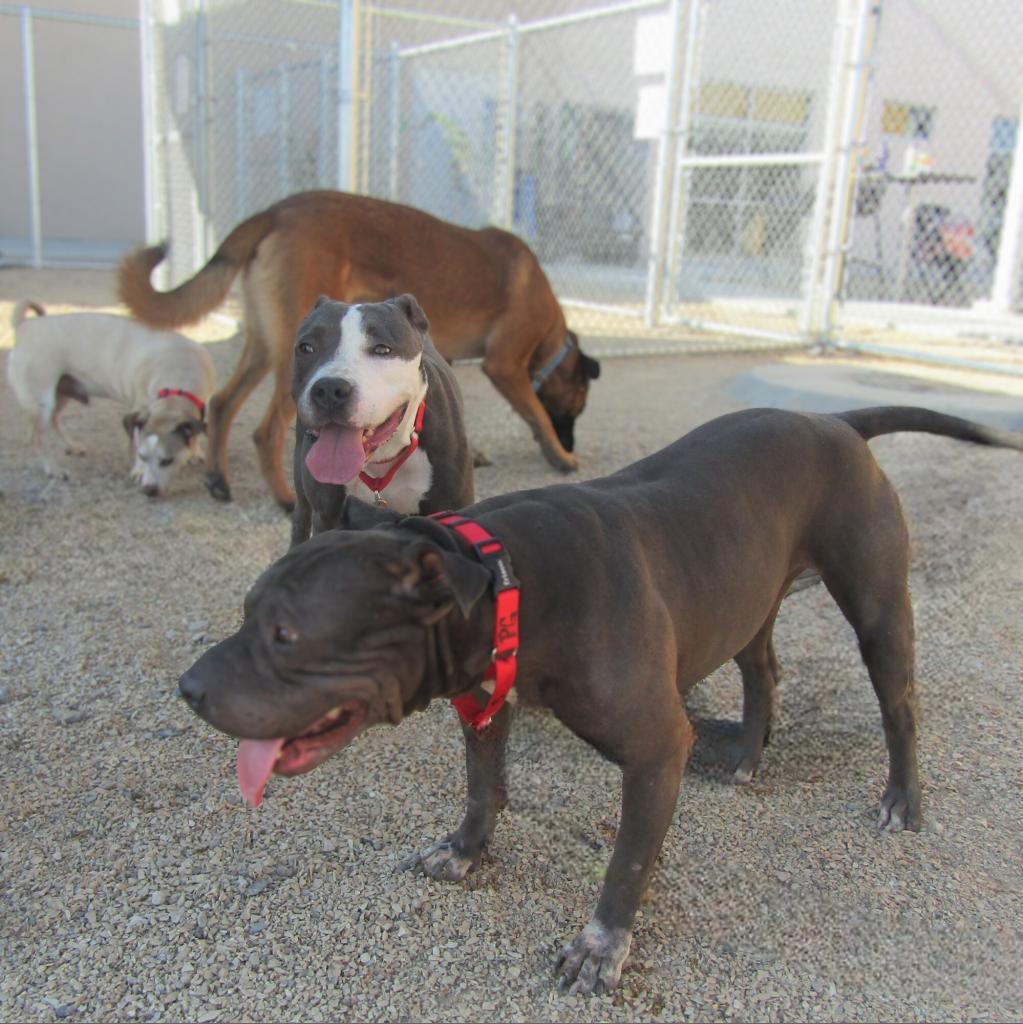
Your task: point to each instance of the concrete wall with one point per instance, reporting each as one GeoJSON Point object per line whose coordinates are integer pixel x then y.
{"type": "Point", "coordinates": [89, 124]}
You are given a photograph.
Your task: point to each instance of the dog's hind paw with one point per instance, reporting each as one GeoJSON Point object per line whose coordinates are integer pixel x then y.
{"type": "Point", "coordinates": [899, 811]}
{"type": "Point", "coordinates": [592, 962]}
{"type": "Point", "coordinates": [442, 861]}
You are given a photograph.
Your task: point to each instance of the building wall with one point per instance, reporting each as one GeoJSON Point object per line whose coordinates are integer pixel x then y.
{"type": "Point", "coordinates": [89, 126]}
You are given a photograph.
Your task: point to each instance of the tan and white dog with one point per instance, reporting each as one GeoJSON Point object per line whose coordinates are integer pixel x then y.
{"type": "Point", "coordinates": [164, 379]}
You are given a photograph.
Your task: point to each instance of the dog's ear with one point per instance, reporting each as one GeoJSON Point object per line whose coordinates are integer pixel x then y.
{"type": "Point", "coordinates": [591, 368]}
{"type": "Point", "coordinates": [189, 429]}
{"type": "Point", "coordinates": [320, 300]}
{"type": "Point", "coordinates": [439, 579]}
{"type": "Point", "coordinates": [413, 312]}
{"type": "Point", "coordinates": [134, 421]}
{"type": "Point", "coordinates": [361, 515]}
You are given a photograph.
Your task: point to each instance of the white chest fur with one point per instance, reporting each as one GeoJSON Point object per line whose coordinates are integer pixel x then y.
{"type": "Point", "coordinates": [407, 488]}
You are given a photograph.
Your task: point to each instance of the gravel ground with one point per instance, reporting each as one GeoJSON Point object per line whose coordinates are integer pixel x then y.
{"type": "Point", "coordinates": [135, 884]}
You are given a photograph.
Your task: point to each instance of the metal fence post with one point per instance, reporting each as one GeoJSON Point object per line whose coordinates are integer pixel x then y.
{"type": "Point", "coordinates": [667, 152]}
{"type": "Point", "coordinates": [345, 91]}
{"type": "Point", "coordinates": [507, 129]}
{"type": "Point", "coordinates": [811, 317]}
{"type": "Point", "coordinates": [32, 135]}
{"type": "Point", "coordinates": [1006, 281]}
{"type": "Point", "coordinates": [202, 196]}
{"type": "Point", "coordinates": [850, 141]}
{"type": "Point", "coordinates": [395, 133]}
{"type": "Point", "coordinates": [675, 239]}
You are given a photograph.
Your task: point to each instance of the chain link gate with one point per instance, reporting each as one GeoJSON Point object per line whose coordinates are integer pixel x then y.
{"type": "Point", "coordinates": [770, 171]}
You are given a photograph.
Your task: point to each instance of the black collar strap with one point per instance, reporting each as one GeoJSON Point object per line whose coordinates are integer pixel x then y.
{"type": "Point", "coordinates": [548, 368]}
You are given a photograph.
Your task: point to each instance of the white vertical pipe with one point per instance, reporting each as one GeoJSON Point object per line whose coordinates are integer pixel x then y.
{"type": "Point", "coordinates": [1006, 282]}
{"type": "Point", "coordinates": [811, 318]}
{"type": "Point", "coordinates": [202, 197]}
{"type": "Point", "coordinates": [395, 135]}
{"type": "Point", "coordinates": [838, 229]}
{"type": "Point", "coordinates": [675, 240]}
{"type": "Point", "coordinates": [666, 151]}
{"type": "Point", "coordinates": [504, 199]}
{"type": "Point", "coordinates": [345, 91]}
{"type": "Point", "coordinates": [241, 134]}
{"type": "Point", "coordinates": [147, 69]}
{"type": "Point", "coordinates": [32, 135]}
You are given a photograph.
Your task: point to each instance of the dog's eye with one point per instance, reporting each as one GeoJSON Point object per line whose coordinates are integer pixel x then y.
{"type": "Point", "coordinates": [284, 635]}
{"type": "Point", "coordinates": [167, 462]}
{"type": "Point", "coordinates": [305, 348]}
{"type": "Point", "coordinates": [381, 350]}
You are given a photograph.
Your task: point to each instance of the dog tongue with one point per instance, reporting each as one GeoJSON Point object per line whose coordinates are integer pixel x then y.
{"type": "Point", "coordinates": [256, 760]}
{"type": "Point", "coordinates": [337, 455]}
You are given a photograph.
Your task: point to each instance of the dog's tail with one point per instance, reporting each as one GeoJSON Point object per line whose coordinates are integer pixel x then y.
{"type": "Point", "coordinates": [202, 292]}
{"type": "Point", "coordinates": [20, 311]}
{"type": "Point", "coordinates": [890, 419]}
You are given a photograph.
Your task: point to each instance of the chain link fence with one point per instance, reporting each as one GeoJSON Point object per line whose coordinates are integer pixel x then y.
{"type": "Point", "coordinates": [842, 170]}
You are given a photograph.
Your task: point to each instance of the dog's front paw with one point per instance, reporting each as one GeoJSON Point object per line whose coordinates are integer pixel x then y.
{"type": "Point", "coordinates": [74, 448]}
{"type": "Point", "coordinates": [593, 960]}
{"type": "Point", "coordinates": [566, 462]}
{"type": "Point", "coordinates": [444, 861]}
{"type": "Point", "coordinates": [217, 486]}
{"type": "Point", "coordinates": [899, 811]}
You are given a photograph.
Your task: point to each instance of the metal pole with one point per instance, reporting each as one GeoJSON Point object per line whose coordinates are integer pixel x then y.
{"type": "Point", "coordinates": [32, 135]}
{"type": "Point", "coordinates": [811, 320]}
{"type": "Point", "coordinates": [867, 12]}
{"type": "Point", "coordinates": [324, 133]}
{"type": "Point", "coordinates": [283, 131]}
{"type": "Point", "coordinates": [147, 74]}
{"type": "Point", "coordinates": [201, 191]}
{"type": "Point", "coordinates": [1006, 282]}
{"type": "Point", "coordinates": [675, 240]}
{"type": "Point", "coordinates": [504, 158]}
{"type": "Point", "coordinates": [666, 153]}
{"type": "Point", "coordinates": [395, 135]}
{"type": "Point", "coordinates": [345, 91]}
{"type": "Point", "coordinates": [240, 136]}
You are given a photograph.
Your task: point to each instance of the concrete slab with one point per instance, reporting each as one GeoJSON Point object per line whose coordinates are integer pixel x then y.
{"type": "Point", "coordinates": [832, 387]}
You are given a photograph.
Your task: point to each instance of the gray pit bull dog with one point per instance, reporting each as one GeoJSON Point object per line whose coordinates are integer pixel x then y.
{"type": "Point", "coordinates": [634, 587]}
{"type": "Point", "coordinates": [379, 415]}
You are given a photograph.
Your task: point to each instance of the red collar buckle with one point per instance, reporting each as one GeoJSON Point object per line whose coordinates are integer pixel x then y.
{"type": "Point", "coordinates": [504, 654]}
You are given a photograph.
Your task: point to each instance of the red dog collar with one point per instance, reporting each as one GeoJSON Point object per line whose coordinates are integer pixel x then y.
{"type": "Point", "coordinates": [503, 660]}
{"type": "Point", "coordinates": [377, 483]}
{"type": "Point", "coordinates": [178, 393]}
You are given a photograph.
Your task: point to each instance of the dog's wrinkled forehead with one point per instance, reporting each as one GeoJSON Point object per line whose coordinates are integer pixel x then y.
{"type": "Point", "coordinates": [334, 568]}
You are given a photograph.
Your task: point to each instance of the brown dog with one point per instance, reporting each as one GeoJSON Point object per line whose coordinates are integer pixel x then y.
{"type": "Point", "coordinates": [484, 293]}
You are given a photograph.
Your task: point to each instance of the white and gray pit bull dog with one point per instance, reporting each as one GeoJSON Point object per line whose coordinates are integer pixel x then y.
{"type": "Point", "coordinates": [164, 378]}
{"type": "Point", "coordinates": [379, 415]}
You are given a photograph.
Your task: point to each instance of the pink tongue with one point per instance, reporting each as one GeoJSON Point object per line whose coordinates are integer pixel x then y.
{"type": "Point", "coordinates": [337, 455]}
{"type": "Point", "coordinates": [256, 759]}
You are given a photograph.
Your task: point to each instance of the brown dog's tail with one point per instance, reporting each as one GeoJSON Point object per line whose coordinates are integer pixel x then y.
{"type": "Point", "coordinates": [202, 292]}
{"type": "Point", "coordinates": [20, 311]}
{"type": "Point", "coordinates": [890, 419]}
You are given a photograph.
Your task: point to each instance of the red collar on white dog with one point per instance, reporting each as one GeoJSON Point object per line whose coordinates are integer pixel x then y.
{"type": "Point", "coordinates": [178, 393]}
{"type": "Point", "coordinates": [503, 658]}
{"type": "Point", "coordinates": [377, 483]}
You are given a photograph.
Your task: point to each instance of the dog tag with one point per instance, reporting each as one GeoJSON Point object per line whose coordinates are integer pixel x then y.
{"type": "Point", "coordinates": [379, 500]}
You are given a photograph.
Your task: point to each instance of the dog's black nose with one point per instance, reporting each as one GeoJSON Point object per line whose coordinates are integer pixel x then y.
{"type": "Point", "coordinates": [192, 690]}
{"type": "Point", "coordinates": [330, 393]}
{"type": "Point", "coordinates": [151, 491]}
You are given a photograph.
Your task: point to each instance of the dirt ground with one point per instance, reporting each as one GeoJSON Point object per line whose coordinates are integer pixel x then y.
{"type": "Point", "coordinates": [134, 885]}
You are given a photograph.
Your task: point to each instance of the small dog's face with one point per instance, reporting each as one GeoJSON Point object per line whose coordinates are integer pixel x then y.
{"type": "Point", "coordinates": [161, 444]}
